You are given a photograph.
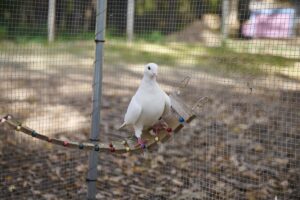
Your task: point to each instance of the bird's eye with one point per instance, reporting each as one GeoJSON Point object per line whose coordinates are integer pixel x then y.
{"type": "Point", "coordinates": [149, 68]}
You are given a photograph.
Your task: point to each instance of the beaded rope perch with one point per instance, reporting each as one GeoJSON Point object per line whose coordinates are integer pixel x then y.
{"type": "Point", "coordinates": [181, 114]}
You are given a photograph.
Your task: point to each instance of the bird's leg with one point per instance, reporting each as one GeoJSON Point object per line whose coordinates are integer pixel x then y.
{"type": "Point", "coordinates": [156, 128]}
{"type": "Point", "coordinates": [138, 134]}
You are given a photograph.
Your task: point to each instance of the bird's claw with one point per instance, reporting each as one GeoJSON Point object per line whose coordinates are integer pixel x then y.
{"type": "Point", "coordinates": [141, 143]}
{"type": "Point", "coordinates": [161, 125]}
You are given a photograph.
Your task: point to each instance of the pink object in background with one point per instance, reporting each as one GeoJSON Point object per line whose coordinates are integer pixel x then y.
{"type": "Point", "coordinates": [270, 23]}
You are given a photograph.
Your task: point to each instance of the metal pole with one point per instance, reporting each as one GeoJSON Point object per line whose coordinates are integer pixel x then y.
{"type": "Point", "coordinates": [97, 92]}
{"type": "Point", "coordinates": [51, 20]}
{"type": "Point", "coordinates": [130, 20]}
{"type": "Point", "coordinates": [225, 13]}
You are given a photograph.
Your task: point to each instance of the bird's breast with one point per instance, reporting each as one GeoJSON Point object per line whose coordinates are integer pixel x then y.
{"type": "Point", "coordinates": [153, 107]}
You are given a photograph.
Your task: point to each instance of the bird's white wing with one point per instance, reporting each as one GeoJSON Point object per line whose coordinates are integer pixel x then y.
{"type": "Point", "coordinates": [134, 111]}
{"type": "Point", "coordinates": [167, 105]}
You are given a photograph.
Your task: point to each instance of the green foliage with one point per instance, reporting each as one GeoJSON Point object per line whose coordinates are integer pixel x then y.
{"type": "Point", "coordinates": [144, 6]}
{"type": "Point", "coordinates": [65, 36]}
{"type": "Point", "coordinates": [154, 36]}
{"type": "Point", "coordinates": [153, 18]}
{"type": "Point", "coordinates": [214, 5]}
{"type": "Point", "coordinates": [3, 32]}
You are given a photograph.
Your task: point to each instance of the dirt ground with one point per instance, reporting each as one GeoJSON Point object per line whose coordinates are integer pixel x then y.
{"type": "Point", "coordinates": [243, 145]}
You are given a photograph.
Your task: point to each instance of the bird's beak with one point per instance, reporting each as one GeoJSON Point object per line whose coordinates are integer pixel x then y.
{"type": "Point", "coordinates": [154, 75]}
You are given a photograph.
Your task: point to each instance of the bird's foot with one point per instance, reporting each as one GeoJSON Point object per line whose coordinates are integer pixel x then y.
{"type": "Point", "coordinates": [141, 143]}
{"type": "Point", "coordinates": [161, 125]}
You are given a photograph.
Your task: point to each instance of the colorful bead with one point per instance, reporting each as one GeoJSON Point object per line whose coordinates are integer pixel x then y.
{"type": "Point", "coordinates": [66, 143]}
{"type": "Point", "coordinates": [97, 148]}
{"type": "Point", "coordinates": [181, 119]}
{"type": "Point", "coordinates": [112, 149]}
{"type": "Point", "coordinates": [18, 128]}
{"type": "Point", "coordinates": [33, 134]}
{"type": "Point", "coordinates": [111, 145]}
{"type": "Point", "coordinates": [127, 149]}
{"type": "Point", "coordinates": [8, 117]}
{"type": "Point", "coordinates": [81, 146]}
{"type": "Point", "coordinates": [156, 139]}
{"type": "Point", "coordinates": [169, 130]}
{"type": "Point", "coordinates": [143, 146]}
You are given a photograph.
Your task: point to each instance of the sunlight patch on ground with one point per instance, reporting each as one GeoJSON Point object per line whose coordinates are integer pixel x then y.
{"type": "Point", "coordinates": [75, 88]}
{"type": "Point", "coordinates": [19, 94]}
{"type": "Point", "coordinates": [284, 48]}
{"type": "Point", "coordinates": [155, 48]}
{"type": "Point", "coordinates": [80, 77]}
{"type": "Point", "coordinates": [292, 72]}
{"type": "Point", "coordinates": [51, 119]}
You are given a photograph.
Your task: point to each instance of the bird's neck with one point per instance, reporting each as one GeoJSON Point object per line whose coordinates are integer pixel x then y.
{"type": "Point", "coordinates": [149, 80]}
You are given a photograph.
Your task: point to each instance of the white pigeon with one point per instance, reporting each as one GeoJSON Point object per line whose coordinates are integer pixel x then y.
{"type": "Point", "coordinates": [148, 104]}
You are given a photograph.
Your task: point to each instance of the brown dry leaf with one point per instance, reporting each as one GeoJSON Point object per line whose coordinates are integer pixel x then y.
{"type": "Point", "coordinates": [258, 148]}
{"type": "Point", "coordinates": [11, 188]}
{"type": "Point", "coordinates": [49, 196]}
{"type": "Point", "coordinates": [177, 182]}
{"type": "Point", "coordinates": [281, 161]}
{"type": "Point", "coordinates": [81, 168]}
{"type": "Point", "coordinates": [115, 178]}
{"type": "Point", "coordinates": [250, 175]}
{"type": "Point", "coordinates": [138, 169]}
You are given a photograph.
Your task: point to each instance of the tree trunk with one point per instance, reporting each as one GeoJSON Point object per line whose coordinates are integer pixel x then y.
{"type": "Point", "coordinates": [243, 14]}
{"type": "Point", "coordinates": [230, 23]}
{"type": "Point", "coordinates": [233, 17]}
{"type": "Point", "coordinates": [87, 16]}
{"type": "Point", "coordinates": [225, 21]}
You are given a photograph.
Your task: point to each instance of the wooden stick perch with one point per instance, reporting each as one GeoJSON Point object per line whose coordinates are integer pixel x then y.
{"type": "Point", "coordinates": [180, 114]}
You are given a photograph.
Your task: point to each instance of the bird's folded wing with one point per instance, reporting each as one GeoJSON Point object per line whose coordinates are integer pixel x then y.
{"type": "Point", "coordinates": [134, 111]}
{"type": "Point", "coordinates": [167, 105]}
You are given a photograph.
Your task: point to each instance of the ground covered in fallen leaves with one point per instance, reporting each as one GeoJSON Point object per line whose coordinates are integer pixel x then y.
{"type": "Point", "coordinates": [243, 145]}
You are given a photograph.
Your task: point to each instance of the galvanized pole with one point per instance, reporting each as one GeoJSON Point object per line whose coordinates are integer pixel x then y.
{"type": "Point", "coordinates": [51, 20]}
{"type": "Point", "coordinates": [225, 16]}
{"type": "Point", "coordinates": [130, 20]}
{"type": "Point", "coordinates": [97, 91]}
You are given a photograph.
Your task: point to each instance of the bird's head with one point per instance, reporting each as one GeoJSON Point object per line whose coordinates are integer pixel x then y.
{"type": "Point", "coordinates": [151, 70]}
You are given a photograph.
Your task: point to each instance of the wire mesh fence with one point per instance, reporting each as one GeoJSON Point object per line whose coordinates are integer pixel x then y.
{"type": "Point", "coordinates": [243, 55]}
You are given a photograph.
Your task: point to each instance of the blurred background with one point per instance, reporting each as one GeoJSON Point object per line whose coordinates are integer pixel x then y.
{"type": "Point", "coordinates": [242, 54]}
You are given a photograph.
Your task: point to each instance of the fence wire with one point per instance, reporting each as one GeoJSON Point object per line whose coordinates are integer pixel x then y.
{"type": "Point", "coordinates": [244, 55]}
{"type": "Point", "coordinates": [48, 87]}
